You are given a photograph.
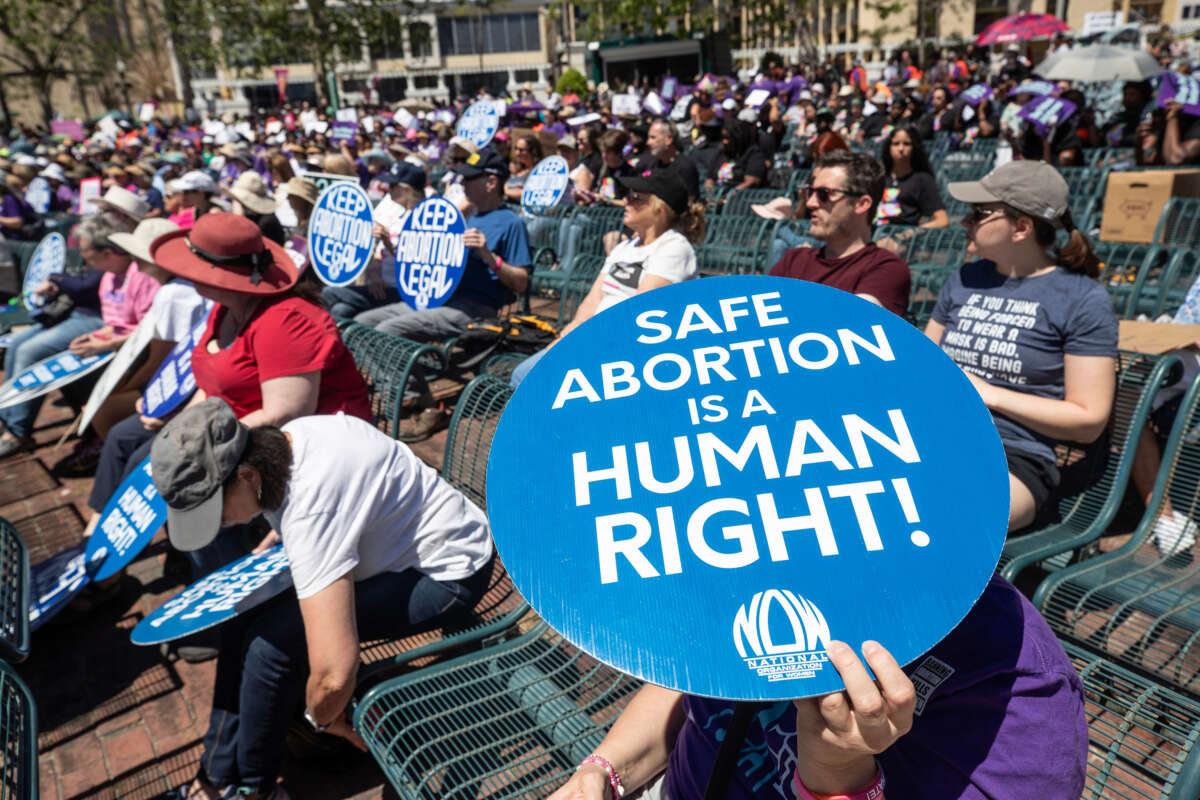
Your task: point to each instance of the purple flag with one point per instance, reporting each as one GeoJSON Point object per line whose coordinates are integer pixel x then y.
{"type": "Point", "coordinates": [1046, 112]}
{"type": "Point", "coordinates": [976, 94]}
{"type": "Point", "coordinates": [1183, 89]}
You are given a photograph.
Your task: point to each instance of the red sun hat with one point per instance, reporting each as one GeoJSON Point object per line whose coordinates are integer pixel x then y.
{"type": "Point", "coordinates": [226, 251]}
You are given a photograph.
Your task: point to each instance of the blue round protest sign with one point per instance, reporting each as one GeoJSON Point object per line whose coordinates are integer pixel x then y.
{"type": "Point", "coordinates": [128, 522]}
{"type": "Point", "coordinates": [49, 257]}
{"type": "Point", "coordinates": [218, 597]}
{"type": "Point", "coordinates": [53, 583]}
{"type": "Point", "coordinates": [339, 233]}
{"type": "Point", "coordinates": [173, 383]}
{"type": "Point", "coordinates": [430, 255]}
{"type": "Point", "coordinates": [545, 185]}
{"type": "Point", "coordinates": [732, 472]}
{"type": "Point", "coordinates": [478, 123]}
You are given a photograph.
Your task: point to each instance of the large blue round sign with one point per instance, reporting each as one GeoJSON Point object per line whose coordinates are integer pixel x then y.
{"type": "Point", "coordinates": [339, 233]}
{"type": "Point", "coordinates": [220, 596]}
{"type": "Point", "coordinates": [49, 257]}
{"type": "Point", "coordinates": [545, 185]}
{"type": "Point", "coordinates": [478, 123]}
{"type": "Point", "coordinates": [128, 522]}
{"type": "Point", "coordinates": [430, 255]}
{"type": "Point", "coordinates": [732, 472]}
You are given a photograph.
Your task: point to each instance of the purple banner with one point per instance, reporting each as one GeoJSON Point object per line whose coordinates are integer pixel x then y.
{"type": "Point", "coordinates": [976, 94]}
{"type": "Point", "coordinates": [1182, 89]}
{"type": "Point", "coordinates": [1046, 112]}
{"type": "Point", "coordinates": [68, 127]}
{"type": "Point", "coordinates": [343, 131]}
{"type": "Point", "coordinates": [1039, 88]}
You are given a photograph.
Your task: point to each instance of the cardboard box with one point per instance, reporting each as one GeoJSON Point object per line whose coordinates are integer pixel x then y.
{"type": "Point", "coordinates": [1135, 200]}
{"type": "Point", "coordinates": [1156, 338]}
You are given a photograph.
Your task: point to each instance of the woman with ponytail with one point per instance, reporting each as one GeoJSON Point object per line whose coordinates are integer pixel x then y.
{"type": "Point", "coordinates": [665, 225]}
{"type": "Point", "coordinates": [1033, 330]}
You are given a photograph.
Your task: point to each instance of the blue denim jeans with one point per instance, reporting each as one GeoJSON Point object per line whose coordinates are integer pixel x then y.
{"type": "Point", "coordinates": [31, 346]}
{"type": "Point", "coordinates": [347, 301]}
{"type": "Point", "coordinates": [263, 663]}
{"type": "Point", "coordinates": [521, 370]}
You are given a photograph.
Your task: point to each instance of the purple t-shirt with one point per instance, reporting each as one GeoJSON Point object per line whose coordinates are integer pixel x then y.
{"type": "Point", "coordinates": [999, 715]}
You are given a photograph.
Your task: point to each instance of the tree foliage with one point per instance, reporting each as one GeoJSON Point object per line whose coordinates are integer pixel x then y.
{"type": "Point", "coordinates": [572, 80]}
{"type": "Point", "coordinates": [44, 41]}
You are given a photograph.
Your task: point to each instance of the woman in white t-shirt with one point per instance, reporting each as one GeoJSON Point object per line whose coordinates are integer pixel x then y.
{"type": "Point", "coordinates": [665, 226]}
{"type": "Point", "coordinates": [378, 546]}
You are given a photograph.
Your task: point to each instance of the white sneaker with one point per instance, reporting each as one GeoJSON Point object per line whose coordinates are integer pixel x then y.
{"type": "Point", "coordinates": [1174, 533]}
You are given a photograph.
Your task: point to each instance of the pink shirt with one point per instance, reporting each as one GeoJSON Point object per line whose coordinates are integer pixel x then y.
{"type": "Point", "coordinates": [125, 299]}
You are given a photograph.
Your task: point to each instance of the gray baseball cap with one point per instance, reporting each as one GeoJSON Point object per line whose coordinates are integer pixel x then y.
{"type": "Point", "coordinates": [1031, 187]}
{"type": "Point", "coordinates": [190, 460]}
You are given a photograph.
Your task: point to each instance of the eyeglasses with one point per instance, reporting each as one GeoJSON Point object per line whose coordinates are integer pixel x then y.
{"type": "Point", "coordinates": [978, 216]}
{"type": "Point", "coordinates": [824, 194]}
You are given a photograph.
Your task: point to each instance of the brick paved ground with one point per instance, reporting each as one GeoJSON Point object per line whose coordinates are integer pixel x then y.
{"type": "Point", "coordinates": [117, 720]}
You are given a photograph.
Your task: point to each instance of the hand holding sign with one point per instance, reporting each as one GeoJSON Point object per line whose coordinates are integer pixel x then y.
{"type": "Point", "coordinates": [339, 233]}
{"type": "Point", "coordinates": [752, 462]}
{"type": "Point", "coordinates": [431, 253]}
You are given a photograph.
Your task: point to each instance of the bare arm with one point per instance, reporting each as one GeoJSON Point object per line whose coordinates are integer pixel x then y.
{"type": "Point", "coordinates": [285, 399]}
{"type": "Point", "coordinates": [939, 219]}
{"type": "Point", "coordinates": [331, 631]}
{"type": "Point", "coordinates": [1080, 416]}
{"type": "Point", "coordinates": [638, 745]}
{"type": "Point", "coordinates": [1176, 151]}
{"type": "Point", "coordinates": [934, 330]}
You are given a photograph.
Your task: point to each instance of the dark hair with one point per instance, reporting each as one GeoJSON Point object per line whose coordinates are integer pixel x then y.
{"type": "Point", "coordinates": [268, 451]}
{"type": "Point", "coordinates": [919, 160]}
{"type": "Point", "coordinates": [613, 141]}
{"type": "Point", "coordinates": [534, 144]}
{"type": "Point", "coordinates": [741, 135]}
{"type": "Point", "coordinates": [1076, 255]}
{"type": "Point", "coordinates": [864, 175]}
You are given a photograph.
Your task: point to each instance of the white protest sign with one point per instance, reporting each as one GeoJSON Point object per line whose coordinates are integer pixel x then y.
{"type": "Point", "coordinates": [654, 104]}
{"type": "Point", "coordinates": [130, 350]}
{"type": "Point", "coordinates": [625, 105]}
{"type": "Point", "coordinates": [757, 98]}
{"type": "Point", "coordinates": [404, 118]}
{"type": "Point", "coordinates": [89, 190]}
{"type": "Point", "coordinates": [347, 115]}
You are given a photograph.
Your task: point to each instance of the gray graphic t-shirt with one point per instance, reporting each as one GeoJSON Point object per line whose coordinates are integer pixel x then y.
{"type": "Point", "coordinates": [1014, 332]}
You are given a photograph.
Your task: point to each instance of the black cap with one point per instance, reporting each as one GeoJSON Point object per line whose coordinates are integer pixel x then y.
{"type": "Point", "coordinates": [662, 182]}
{"type": "Point", "coordinates": [485, 162]}
{"type": "Point", "coordinates": [403, 172]}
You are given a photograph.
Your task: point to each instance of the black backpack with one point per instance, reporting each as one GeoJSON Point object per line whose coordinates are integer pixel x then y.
{"type": "Point", "coordinates": [519, 333]}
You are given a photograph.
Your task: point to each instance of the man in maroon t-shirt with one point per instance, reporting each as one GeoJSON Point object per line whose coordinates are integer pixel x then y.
{"type": "Point", "coordinates": [845, 189]}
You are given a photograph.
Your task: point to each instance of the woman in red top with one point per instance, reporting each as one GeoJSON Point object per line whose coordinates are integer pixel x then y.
{"type": "Point", "coordinates": [270, 349]}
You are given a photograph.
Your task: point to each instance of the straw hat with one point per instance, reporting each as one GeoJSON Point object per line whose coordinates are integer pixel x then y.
{"type": "Point", "coordinates": [137, 244]}
{"type": "Point", "coordinates": [251, 191]}
{"type": "Point", "coordinates": [227, 251]}
{"type": "Point", "coordinates": [304, 188]}
{"type": "Point", "coordinates": [125, 202]}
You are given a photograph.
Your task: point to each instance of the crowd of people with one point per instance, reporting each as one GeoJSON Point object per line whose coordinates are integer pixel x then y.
{"type": "Point", "coordinates": [192, 225]}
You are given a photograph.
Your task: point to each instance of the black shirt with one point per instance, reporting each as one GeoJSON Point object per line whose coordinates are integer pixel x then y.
{"type": "Point", "coordinates": [906, 200]}
{"type": "Point", "coordinates": [683, 166]}
{"type": "Point", "coordinates": [873, 125]}
{"type": "Point", "coordinates": [708, 156]}
{"type": "Point", "coordinates": [731, 171]}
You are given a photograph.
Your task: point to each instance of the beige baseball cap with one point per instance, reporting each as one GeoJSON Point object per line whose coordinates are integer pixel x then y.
{"type": "Point", "coordinates": [1031, 187]}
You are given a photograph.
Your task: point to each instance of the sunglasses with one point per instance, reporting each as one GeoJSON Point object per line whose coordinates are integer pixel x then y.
{"type": "Point", "coordinates": [635, 199]}
{"type": "Point", "coordinates": [824, 194]}
{"type": "Point", "coordinates": [978, 216]}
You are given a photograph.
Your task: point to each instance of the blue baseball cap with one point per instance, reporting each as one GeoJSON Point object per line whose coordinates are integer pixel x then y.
{"type": "Point", "coordinates": [403, 172]}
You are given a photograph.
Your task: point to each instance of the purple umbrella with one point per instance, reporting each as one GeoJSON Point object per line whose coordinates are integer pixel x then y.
{"type": "Point", "coordinates": [525, 106]}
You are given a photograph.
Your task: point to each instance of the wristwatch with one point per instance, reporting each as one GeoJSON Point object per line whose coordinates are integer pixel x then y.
{"type": "Point", "coordinates": [316, 726]}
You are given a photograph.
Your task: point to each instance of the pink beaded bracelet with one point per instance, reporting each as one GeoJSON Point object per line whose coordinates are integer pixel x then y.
{"type": "Point", "coordinates": [614, 778]}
